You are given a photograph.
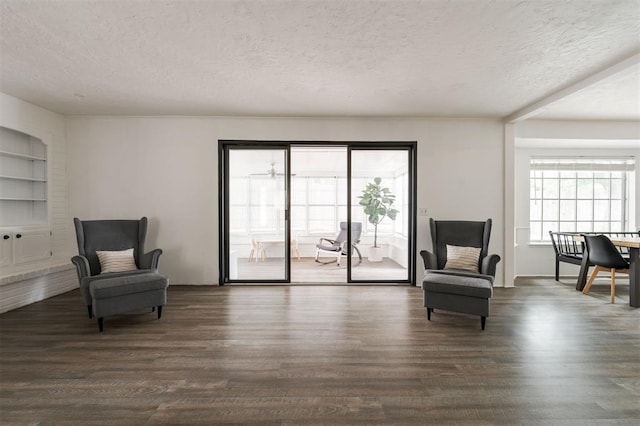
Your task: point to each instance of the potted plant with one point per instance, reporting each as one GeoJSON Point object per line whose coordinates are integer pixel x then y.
{"type": "Point", "coordinates": [377, 202]}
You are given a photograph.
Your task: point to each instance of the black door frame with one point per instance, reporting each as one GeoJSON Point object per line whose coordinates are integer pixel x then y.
{"type": "Point", "coordinates": [223, 206]}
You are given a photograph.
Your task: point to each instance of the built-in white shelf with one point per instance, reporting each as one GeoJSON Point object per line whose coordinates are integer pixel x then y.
{"type": "Point", "coordinates": [21, 199]}
{"type": "Point", "coordinates": [21, 156]}
{"type": "Point", "coordinates": [22, 178]}
{"type": "Point", "coordinates": [23, 182]}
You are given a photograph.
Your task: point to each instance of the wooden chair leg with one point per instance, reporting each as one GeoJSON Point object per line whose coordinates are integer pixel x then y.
{"type": "Point", "coordinates": [429, 310]}
{"type": "Point", "coordinates": [591, 279]}
{"type": "Point", "coordinates": [483, 322]}
{"type": "Point", "coordinates": [90, 311]}
{"type": "Point", "coordinates": [613, 285]}
{"type": "Point", "coordinates": [159, 312]}
{"type": "Point", "coordinates": [101, 324]}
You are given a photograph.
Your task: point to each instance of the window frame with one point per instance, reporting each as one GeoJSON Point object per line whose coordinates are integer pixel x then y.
{"type": "Point", "coordinates": [575, 166]}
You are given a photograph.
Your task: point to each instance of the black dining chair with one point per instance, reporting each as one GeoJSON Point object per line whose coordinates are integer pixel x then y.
{"type": "Point", "coordinates": [606, 257]}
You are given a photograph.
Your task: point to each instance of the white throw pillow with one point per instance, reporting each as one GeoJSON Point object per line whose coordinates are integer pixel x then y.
{"type": "Point", "coordinates": [465, 258]}
{"type": "Point", "coordinates": [116, 261]}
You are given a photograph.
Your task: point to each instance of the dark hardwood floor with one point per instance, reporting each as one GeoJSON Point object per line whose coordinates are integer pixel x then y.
{"type": "Point", "coordinates": [326, 355]}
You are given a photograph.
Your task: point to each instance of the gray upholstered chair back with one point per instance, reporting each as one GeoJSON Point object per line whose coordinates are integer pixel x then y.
{"type": "Point", "coordinates": [109, 235]}
{"type": "Point", "coordinates": [459, 233]}
{"type": "Point", "coordinates": [356, 232]}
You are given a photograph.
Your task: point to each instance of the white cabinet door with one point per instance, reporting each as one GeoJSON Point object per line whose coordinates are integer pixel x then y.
{"type": "Point", "coordinates": [6, 248]}
{"type": "Point", "coordinates": [30, 246]}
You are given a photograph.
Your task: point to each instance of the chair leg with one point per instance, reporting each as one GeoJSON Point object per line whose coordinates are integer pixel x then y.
{"type": "Point", "coordinates": [591, 279]}
{"type": "Point", "coordinates": [613, 285]}
{"type": "Point", "coordinates": [153, 309]}
{"type": "Point", "coordinates": [101, 324]}
{"type": "Point", "coordinates": [90, 307]}
{"type": "Point", "coordinates": [159, 312]}
{"type": "Point", "coordinates": [557, 270]}
{"type": "Point", "coordinates": [483, 321]}
{"type": "Point", "coordinates": [429, 310]}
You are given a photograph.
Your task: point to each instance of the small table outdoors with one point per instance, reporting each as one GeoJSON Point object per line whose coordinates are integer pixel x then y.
{"type": "Point", "coordinates": [633, 243]}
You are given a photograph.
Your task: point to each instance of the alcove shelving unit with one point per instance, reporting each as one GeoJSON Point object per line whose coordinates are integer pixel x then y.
{"type": "Point", "coordinates": [23, 179]}
{"type": "Point", "coordinates": [24, 213]}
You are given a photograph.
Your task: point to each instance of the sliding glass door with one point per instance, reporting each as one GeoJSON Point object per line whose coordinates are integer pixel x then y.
{"type": "Point", "coordinates": [344, 212]}
{"type": "Point", "coordinates": [256, 215]}
{"type": "Point", "coordinates": [381, 214]}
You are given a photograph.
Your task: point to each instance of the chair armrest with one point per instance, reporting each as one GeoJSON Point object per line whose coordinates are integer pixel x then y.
{"type": "Point", "coordinates": [150, 260]}
{"type": "Point", "coordinates": [430, 260]}
{"type": "Point", "coordinates": [489, 263]}
{"type": "Point", "coordinates": [327, 240]}
{"type": "Point", "coordinates": [82, 266]}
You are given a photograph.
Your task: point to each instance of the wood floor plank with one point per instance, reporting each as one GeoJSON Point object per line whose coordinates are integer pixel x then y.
{"type": "Point", "coordinates": [325, 355]}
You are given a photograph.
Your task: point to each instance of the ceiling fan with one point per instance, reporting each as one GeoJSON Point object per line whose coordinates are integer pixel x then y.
{"type": "Point", "coordinates": [272, 173]}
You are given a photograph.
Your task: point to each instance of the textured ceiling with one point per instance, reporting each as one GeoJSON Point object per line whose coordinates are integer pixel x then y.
{"type": "Point", "coordinates": [314, 58]}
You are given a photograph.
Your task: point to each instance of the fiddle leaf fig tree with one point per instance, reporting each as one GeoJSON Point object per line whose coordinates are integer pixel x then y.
{"type": "Point", "coordinates": [377, 202]}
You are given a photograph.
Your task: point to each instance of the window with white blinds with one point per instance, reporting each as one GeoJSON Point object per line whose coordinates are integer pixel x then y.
{"type": "Point", "coordinates": [578, 194]}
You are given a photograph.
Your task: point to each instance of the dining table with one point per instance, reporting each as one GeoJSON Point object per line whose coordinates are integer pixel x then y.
{"type": "Point", "coordinates": [633, 244]}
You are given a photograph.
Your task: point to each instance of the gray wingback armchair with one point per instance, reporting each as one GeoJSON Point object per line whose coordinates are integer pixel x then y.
{"type": "Point", "coordinates": [117, 292]}
{"type": "Point", "coordinates": [459, 290]}
{"type": "Point", "coordinates": [460, 233]}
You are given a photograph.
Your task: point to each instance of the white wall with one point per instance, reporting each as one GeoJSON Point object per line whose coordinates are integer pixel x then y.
{"type": "Point", "coordinates": [563, 138]}
{"type": "Point", "coordinates": [51, 127]}
{"type": "Point", "coordinates": [166, 168]}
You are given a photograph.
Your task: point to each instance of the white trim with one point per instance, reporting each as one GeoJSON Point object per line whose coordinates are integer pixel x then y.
{"type": "Point", "coordinates": [509, 205]}
{"type": "Point", "coordinates": [540, 105]}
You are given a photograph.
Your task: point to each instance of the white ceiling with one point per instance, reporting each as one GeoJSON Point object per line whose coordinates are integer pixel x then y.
{"type": "Point", "coordinates": [459, 58]}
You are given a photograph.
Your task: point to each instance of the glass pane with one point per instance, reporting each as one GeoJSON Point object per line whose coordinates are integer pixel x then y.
{"type": "Point", "coordinates": [550, 188]}
{"type": "Point", "coordinates": [567, 227]}
{"type": "Point", "coordinates": [535, 231]}
{"type": "Point", "coordinates": [567, 188]}
{"type": "Point", "coordinates": [584, 227]}
{"type": "Point", "coordinates": [320, 209]}
{"type": "Point", "coordinates": [601, 227]}
{"type": "Point", "coordinates": [601, 188]}
{"type": "Point", "coordinates": [384, 248]}
{"type": "Point", "coordinates": [567, 210]}
{"type": "Point", "coordinates": [585, 188]}
{"type": "Point", "coordinates": [535, 210]}
{"type": "Point", "coordinates": [322, 220]}
{"type": "Point", "coordinates": [299, 219]}
{"type": "Point", "coordinates": [342, 215]}
{"type": "Point", "coordinates": [616, 210]}
{"type": "Point", "coordinates": [322, 191]}
{"type": "Point", "coordinates": [550, 173]}
{"type": "Point", "coordinates": [601, 210]}
{"type": "Point", "coordinates": [240, 188]}
{"type": "Point", "coordinates": [240, 221]}
{"type": "Point", "coordinates": [257, 199]}
{"type": "Point", "coordinates": [549, 226]}
{"type": "Point", "coordinates": [567, 174]}
{"type": "Point", "coordinates": [584, 210]}
{"type": "Point", "coordinates": [298, 190]}
{"type": "Point", "coordinates": [535, 190]}
{"type": "Point", "coordinates": [616, 188]}
{"type": "Point", "coordinates": [550, 209]}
